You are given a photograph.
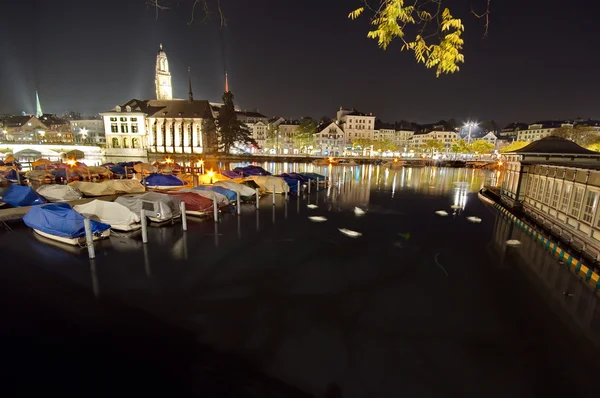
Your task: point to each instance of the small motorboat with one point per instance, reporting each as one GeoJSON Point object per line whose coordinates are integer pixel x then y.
{"type": "Point", "coordinates": [158, 207]}
{"type": "Point", "coordinates": [393, 164]}
{"type": "Point", "coordinates": [347, 162]}
{"type": "Point", "coordinates": [325, 161]}
{"type": "Point", "coordinates": [314, 177]}
{"type": "Point", "coordinates": [251, 171]}
{"type": "Point", "coordinates": [59, 222]}
{"type": "Point", "coordinates": [116, 215]}
{"type": "Point", "coordinates": [211, 195]}
{"type": "Point", "coordinates": [59, 193]}
{"type": "Point", "coordinates": [271, 184]}
{"type": "Point", "coordinates": [195, 205]}
{"type": "Point", "coordinates": [20, 195]}
{"type": "Point", "coordinates": [163, 182]}
{"type": "Point", "coordinates": [246, 193]}
{"type": "Point", "coordinates": [228, 193]}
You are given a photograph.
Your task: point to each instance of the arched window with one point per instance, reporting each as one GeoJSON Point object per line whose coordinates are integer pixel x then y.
{"type": "Point", "coordinates": [135, 143]}
{"type": "Point", "coordinates": [115, 142]}
{"type": "Point", "coordinates": [125, 142]}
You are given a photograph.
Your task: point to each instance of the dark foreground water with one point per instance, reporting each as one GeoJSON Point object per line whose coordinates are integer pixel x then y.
{"type": "Point", "coordinates": [270, 304]}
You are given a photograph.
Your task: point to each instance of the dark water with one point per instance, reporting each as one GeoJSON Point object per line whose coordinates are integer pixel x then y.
{"type": "Point", "coordinates": [272, 304]}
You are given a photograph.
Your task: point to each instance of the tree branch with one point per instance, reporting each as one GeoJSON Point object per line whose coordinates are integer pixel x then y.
{"type": "Point", "coordinates": [486, 15]}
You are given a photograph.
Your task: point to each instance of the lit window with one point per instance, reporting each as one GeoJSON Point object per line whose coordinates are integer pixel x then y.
{"type": "Point", "coordinates": [113, 119]}
{"type": "Point", "coordinates": [134, 128]}
{"type": "Point", "coordinates": [114, 128]}
{"type": "Point", "coordinates": [124, 128]}
{"type": "Point", "coordinates": [548, 191]}
{"type": "Point", "coordinates": [566, 196]}
{"type": "Point", "coordinates": [589, 207]}
{"type": "Point", "coordinates": [577, 199]}
{"type": "Point", "coordinates": [134, 119]}
{"type": "Point", "coordinates": [556, 195]}
{"type": "Point", "coordinates": [123, 119]}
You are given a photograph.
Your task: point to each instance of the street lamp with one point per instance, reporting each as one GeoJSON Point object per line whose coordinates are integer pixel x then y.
{"type": "Point", "coordinates": [470, 125]}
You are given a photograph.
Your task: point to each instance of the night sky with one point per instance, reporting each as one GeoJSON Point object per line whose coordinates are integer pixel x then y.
{"type": "Point", "coordinates": [299, 58]}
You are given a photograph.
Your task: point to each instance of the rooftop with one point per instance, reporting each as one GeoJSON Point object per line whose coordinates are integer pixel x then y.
{"type": "Point", "coordinates": [169, 108]}
{"type": "Point", "coordinates": [555, 145]}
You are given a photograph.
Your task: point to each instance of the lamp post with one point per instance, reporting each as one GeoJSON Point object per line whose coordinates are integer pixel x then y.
{"type": "Point", "coordinates": [470, 125]}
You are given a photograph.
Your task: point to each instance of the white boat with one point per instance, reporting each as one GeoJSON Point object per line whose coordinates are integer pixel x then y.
{"type": "Point", "coordinates": [79, 241]}
{"type": "Point", "coordinates": [59, 222]}
{"type": "Point", "coordinates": [116, 215]}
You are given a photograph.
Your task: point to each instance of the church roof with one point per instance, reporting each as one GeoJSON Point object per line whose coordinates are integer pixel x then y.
{"type": "Point", "coordinates": [555, 145]}
{"type": "Point", "coordinates": [170, 108]}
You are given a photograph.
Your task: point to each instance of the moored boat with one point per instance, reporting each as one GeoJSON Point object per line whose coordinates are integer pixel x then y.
{"type": "Point", "coordinates": [59, 193]}
{"type": "Point", "coordinates": [163, 182]}
{"type": "Point", "coordinates": [246, 193]}
{"type": "Point", "coordinates": [116, 215]}
{"type": "Point", "coordinates": [195, 205]}
{"type": "Point", "coordinates": [19, 196]}
{"type": "Point", "coordinates": [271, 184]}
{"type": "Point", "coordinates": [59, 222]}
{"type": "Point", "coordinates": [158, 207]}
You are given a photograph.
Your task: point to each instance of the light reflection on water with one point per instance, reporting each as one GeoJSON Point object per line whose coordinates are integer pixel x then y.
{"type": "Point", "coordinates": [312, 306]}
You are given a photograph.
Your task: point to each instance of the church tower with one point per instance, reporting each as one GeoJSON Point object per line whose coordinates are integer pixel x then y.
{"type": "Point", "coordinates": [164, 90]}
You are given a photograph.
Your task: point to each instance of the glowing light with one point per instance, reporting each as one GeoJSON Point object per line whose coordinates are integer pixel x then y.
{"type": "Point", "coordinates": [71, 162]}
{"type": "Point", "coordinates": [330, 159]}
{"type": "Point", "coordinates": [168, 160]}
{"type": "Point", "coordinates": [200, 163]}
{"type": "Point", "coordinates": [211, 173]}
{"type": "Point", "coordinates": [500, 163]}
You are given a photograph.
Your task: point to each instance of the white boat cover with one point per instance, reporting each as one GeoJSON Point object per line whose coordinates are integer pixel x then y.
{"type": "Point", "coordinates": [267, 183]}
{"type": "Point", "coordinates": [109, 187]}
{"type": "Point", "coordinates": [157, 205]}
{"type": "Point", "coordinates": [219, 197]}
{"type": "Point", "coordinates": [234, 186]}
{"type": "Point", "coordinates": [59, 193]}
{"type": "Point", "coordinates": [111, 213]}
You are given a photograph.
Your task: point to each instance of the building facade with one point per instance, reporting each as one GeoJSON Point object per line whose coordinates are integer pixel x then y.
{"type": "Point", "coordinates": [329, 140]}
{"type": "Point", "coordinates": [539, 130]}
{"type": "Point", "coordinates": [356, 125]}
{"type": "Point", "coordinates": [420, 139]}
{"type": "Point", "coordinates": [159, 126]}
{"type": "Point", "coordinates": [88, 131]}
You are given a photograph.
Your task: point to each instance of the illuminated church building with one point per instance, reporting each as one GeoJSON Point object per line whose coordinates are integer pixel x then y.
{"type": "Point", "coordinates": [162, 126]}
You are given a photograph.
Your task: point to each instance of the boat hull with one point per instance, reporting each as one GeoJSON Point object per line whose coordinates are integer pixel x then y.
{"type": "Point", "coordinates": [71, 241]}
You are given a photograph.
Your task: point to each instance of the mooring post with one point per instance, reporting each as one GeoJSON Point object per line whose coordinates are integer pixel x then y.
{"type": "Point", "coordinates": [273, 195]}
{"type": "Point", "coordinates": [183, 216]}
{"type": "Point", "coordinates": [298, 188]}
{"type": "Point", "coordinates": [239, 204]}
{"type": "Point", "coordinates": [144, 226]}
{"type": "Point", "coordinates": [89, 237]}
{"type": "Point", "coordinates": [257, 199]}
{"type": "Point", "coordinates": [215, 210]}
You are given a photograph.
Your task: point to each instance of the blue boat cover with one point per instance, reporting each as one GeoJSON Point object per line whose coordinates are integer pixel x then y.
{"type": "Point", "coordinates": [11, 175]}
{"type": "Point", "coordinates": [59, 219]}
{"type": "Point", "coordinates": [231, 195]}
{"type": "Point", "coordinates": [313, 176]}
{"type": "Point", "coordinates": [165, 180]}
{"type": "Point", "coordinates": [230, 174]}
{"type": "Point", "coordinates": [60, 173]}
{"type": "Point", "coordinates": [294, 176]}
{"type": "Point", "coordinates": [251, 171]}
{"type": "Point", "coordinates": [109, 164]}
{"type": "Point", "coordinates": [18, 195]}
{"type": "Point", "coordinates": [127, 164]}
{"type": "Point", "coordinates": [119, 170]}
{"type": "Point", "coordinates": [292, 182]}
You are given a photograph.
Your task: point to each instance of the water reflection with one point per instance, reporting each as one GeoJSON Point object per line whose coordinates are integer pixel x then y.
{"type": "Point", "coordinates": [560, 286]}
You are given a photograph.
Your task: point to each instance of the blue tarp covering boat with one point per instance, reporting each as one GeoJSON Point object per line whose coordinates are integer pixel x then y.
{"type": "Point", "coordinates": [230, 174]}
{"type": "Point", "coordinates": [294, 176]}
{"type": "Point", "coordinates": [59, 219]}
{"type": "Point", "coordinates": [292, 182]}
{"type": "Point", "coordinates": [127, 164]}
{"type": "Point", "coordinates": [251, 171]}
{"type": "Point", "coordinates": [11, 175]}
{"type": "Point", "coordinates": [17, 195]}
{"type": "Point", "coordinates": [118, 170]}
{"type": "Point", "coordinates": [163, 180]}
{"type": "Point", "coordinates": [313, 176]}
{"type": "Point", "coordinates": [231, 195]}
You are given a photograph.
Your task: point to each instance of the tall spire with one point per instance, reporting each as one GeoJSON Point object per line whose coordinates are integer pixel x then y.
{"type": "Point", "coordinates": [226, 83]}
{"type": "Point", "coordinates": [190, 93]}
{"type": "Point", "coordinates": [164, 90]}
{"type": "Point", "coordinates": [38, 106]}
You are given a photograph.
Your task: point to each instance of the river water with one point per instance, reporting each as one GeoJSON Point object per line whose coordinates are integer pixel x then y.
{"type": "Point", "coordinates": [272, 303]}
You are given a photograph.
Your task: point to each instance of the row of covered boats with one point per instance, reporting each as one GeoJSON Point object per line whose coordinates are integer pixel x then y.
{"type": "Point", "coordinates": [159, 195]}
